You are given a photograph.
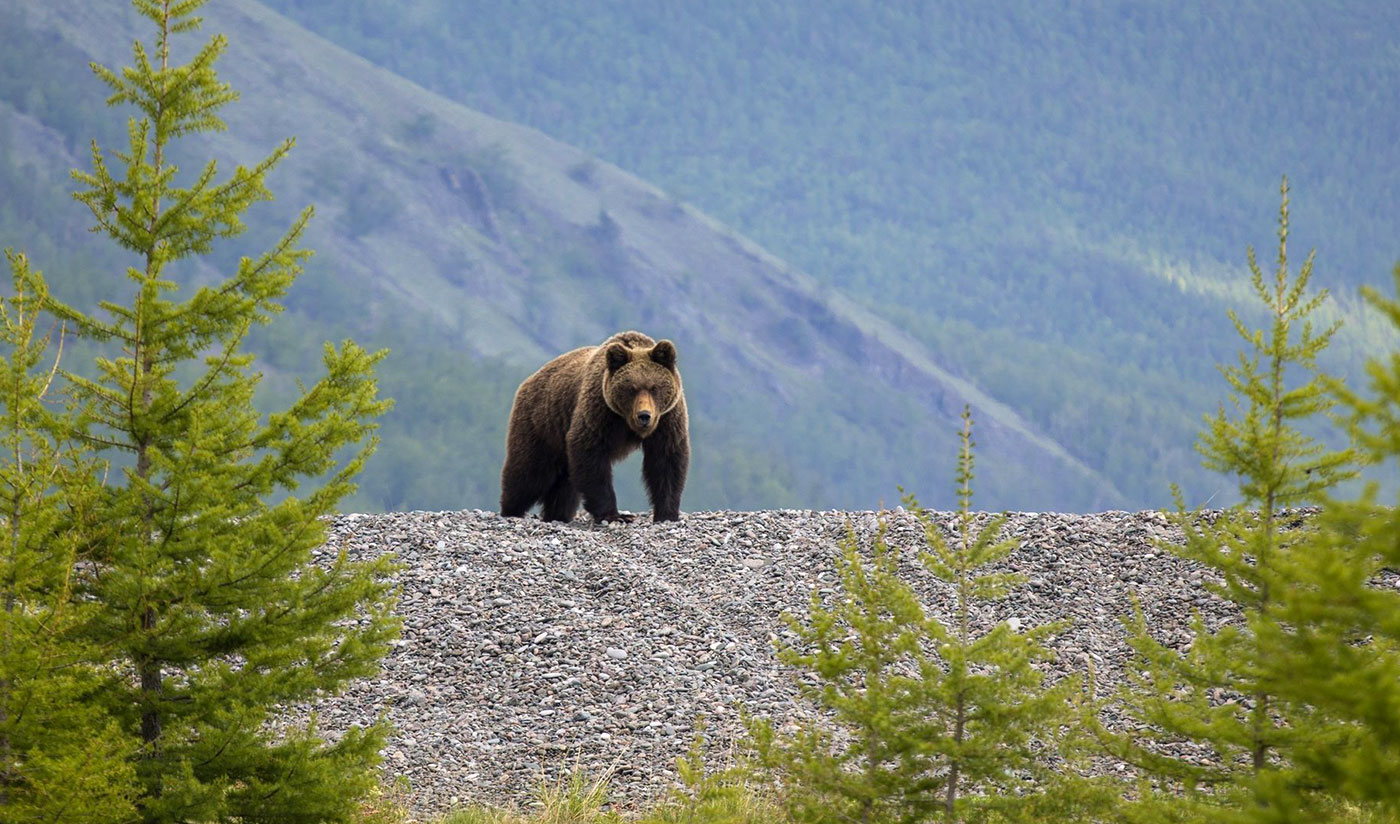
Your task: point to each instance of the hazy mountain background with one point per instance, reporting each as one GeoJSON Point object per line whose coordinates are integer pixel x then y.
{"type": "Point", "coordinates": [852, 218]}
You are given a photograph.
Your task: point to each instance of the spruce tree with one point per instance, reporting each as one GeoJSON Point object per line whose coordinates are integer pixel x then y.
{"type": "Point", "coordinates": [213, 612]}
{"type": "Point", "coordinates": [62, 757]}
{"type": "Point", "coordinates": [990, 720]}
{"type": "Point", "coordinates": [862, 655]}
{"type": "Point", "coordinates": [1213, 696]}
{"type": "Point", "coordinates": [937, 723]}
{"type": "Point", "coordinates": [1337, 645]}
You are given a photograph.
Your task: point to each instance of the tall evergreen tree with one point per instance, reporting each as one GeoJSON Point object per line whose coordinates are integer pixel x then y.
{"type": "Point", "coordinates": [62, 758]}
{"type": "Point", "coordinates": [943, 724]}
{"type": "Point", "coordinates": [213, 609]}
{"type": "Point", "coordinates": [1337, 645]}
{"type": "Point", "coordinates": [1213, 696]}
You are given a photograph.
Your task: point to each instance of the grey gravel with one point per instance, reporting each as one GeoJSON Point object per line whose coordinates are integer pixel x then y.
{"type": "Point", "coordinates": [530, 649]}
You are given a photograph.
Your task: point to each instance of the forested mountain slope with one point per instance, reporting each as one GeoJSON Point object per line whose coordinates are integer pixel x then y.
{"type": "Point", "coordinates": [1055, 199]}
{"type": "Point", "coordinates": [476, 249]}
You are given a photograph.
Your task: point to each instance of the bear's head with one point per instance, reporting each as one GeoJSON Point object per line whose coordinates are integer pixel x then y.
{"type": "Point", "coordinates": [641, 384]}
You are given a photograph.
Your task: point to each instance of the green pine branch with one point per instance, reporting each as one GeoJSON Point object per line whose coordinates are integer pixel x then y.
{"type": "Point", "coordinates": [203, 565]}
{"type": "Point", "coordinates": [62, 758]}
{"type": "Point", "coordinates": [1215, 696]}
{"type": "Point", "coordinates": [937, 722]}
{"type": "Point", "coordinates": [1336, 645]}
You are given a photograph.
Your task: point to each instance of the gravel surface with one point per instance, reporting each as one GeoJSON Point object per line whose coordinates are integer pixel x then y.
{"type": "Point", "coordinates": [531, 648]}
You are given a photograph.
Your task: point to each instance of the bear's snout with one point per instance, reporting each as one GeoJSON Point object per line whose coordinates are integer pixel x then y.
{"type": "Point", "coordinates": [643, 413]}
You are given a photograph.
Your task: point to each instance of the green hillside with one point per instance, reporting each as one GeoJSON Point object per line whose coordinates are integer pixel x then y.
{"type": "Point", "coordinates": [476, 249]}
{"type": "Point", "coordinates": [1043, 215]}
{"type": "Point", "coordinates": [1054, 199]}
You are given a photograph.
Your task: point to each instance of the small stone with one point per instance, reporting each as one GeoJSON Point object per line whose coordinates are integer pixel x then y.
{"type": "Point", "coordinates": [489, 699]}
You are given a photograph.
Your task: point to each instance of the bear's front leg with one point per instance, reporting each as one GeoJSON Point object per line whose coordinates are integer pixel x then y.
{"type": "Point", "coordinates": [590, 469]}
{"type": "Point", "coordinates": [665, 461]}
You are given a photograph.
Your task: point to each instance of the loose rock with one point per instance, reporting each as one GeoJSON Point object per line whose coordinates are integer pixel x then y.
{"type": "Point", "coordinates": [530, 649]}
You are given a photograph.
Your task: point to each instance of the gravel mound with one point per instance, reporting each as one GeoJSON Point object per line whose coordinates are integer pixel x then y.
{"type": "Point", "coordinates": [530, 649]}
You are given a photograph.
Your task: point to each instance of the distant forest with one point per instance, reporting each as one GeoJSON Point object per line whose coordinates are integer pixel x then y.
{"type": "Point", "coordinates": [1055, 197]}
{"type": "Point", "coordinates": [1056, 202]}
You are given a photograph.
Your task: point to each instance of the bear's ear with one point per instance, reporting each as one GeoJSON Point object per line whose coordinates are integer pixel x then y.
{"type": "Point", "coordinates": [617, 357]}
{"type": "Point", "coordinates": [664, 353]}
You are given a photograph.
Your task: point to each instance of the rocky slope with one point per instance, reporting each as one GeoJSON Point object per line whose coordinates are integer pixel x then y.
{"type": "Point", "coordinates": [530, 649]}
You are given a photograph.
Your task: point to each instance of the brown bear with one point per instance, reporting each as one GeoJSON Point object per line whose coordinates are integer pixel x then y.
{"type": "Point", "coordinates": [586, 410]}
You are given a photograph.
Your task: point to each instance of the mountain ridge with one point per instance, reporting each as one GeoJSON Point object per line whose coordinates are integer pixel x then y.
{"type": "Point", "coordinates": [1055, 201]}
{"type": "Point", "coordinates": [492, 230]}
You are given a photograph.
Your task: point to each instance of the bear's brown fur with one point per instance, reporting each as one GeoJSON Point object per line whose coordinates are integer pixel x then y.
{"type": "Point", "coordinates": [586, 410]}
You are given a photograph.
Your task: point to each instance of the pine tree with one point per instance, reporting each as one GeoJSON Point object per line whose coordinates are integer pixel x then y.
{"type": "Point", "coordinates": [1213, 695]}
{"type": "Point", "coordinates": [61, 757]}
{"type": "Point", "coordinates": [1337, 645]}
{"type": "Point", "coordinates": [213, 610]}
{"type": "Point", "coordinates": [936, 723]}
{"type": "Point", "coordinates": [990, 718]}
{"type": "Point", "coordinates": [864, 653]}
